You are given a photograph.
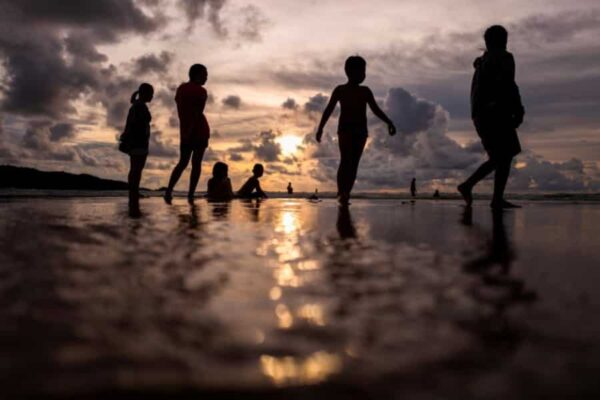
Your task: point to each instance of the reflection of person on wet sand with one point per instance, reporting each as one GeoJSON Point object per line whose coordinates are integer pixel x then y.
{"type": "Point", "coordinates": [345, 226]}
{"type": "Point", "coordinates": [497, 112]}
{"type": "Point", "coordinates": [352, 127]}
{"type": "Point", "coordinates": [494, 264]}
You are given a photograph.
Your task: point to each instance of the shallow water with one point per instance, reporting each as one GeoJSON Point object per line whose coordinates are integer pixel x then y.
{"type": "Point", "coordinates": [387, 299]}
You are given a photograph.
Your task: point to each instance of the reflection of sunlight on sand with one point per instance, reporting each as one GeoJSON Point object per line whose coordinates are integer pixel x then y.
{"type": "Point", "coordinates": [315, 368]}
{"type": "Point", "coordinates": [312, 313]}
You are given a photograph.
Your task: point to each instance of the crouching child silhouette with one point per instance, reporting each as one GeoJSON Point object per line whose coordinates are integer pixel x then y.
{"type": "Point", "coordinates": [497, 112]}
{"type": "Point", "coordinates": [219, 186]}
{"type": "Point", "coordinates": [352, 125]}
{"type": "Point", "coordinates": [251, 189]}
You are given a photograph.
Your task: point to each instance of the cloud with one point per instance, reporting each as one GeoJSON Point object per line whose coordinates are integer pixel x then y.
{"type": "Point", "coordinates": [152, 63]}
{"type": "Point", "coordinates": [211, 9]}
{"type": "Point", "coordinates": [267, 149]}
{"type": "Point", "coordinates": [232, 101]}
{"type": "Point", "coordinates": [253, 21]}
{"type": "Point", "coordinates": [290, 104]}
{"type": "Point", "coordinates": [160, 147]}
{"type": "Point", "coordinates": [316, 103]}
{"type": "Point", "coordinates": [236, 157]}
{"type": "Point", "coordinates": [62, 131]}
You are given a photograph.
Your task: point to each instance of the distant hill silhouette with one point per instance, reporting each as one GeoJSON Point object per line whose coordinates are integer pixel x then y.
{"type": "Point", "coordinates": [30, 178]}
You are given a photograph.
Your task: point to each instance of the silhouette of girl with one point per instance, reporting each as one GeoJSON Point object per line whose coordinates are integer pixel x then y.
{"type": "Point", "coordinates": [135, 139]}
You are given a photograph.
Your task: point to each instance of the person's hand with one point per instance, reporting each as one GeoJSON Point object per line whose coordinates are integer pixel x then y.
{"type": "Point", "coordinates": [319, 135]}
{"type": "Point", "coordinates": [391, 129]}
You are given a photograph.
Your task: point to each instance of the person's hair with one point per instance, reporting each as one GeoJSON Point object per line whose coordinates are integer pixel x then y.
{"type": "Point", "coordinates": [258, 167]}
{"type": "Point", "coordinates": [196, 71]}
{"type": "Point", "coordinates": [496, 37]}
{"type": "Point", "coordinates": [354, 63]}
{"type": "Point", "coordinates": [220, 170]}
{"type": "Point", "coordinates": [145, 90]}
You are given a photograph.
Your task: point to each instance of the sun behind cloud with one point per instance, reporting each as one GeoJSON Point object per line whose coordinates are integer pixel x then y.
{"type": "Point", "coordinates": [289, 144]}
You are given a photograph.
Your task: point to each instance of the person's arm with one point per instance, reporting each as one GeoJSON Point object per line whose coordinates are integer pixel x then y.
{"type": "Point", "coordinates": [379, 112]}
{"type": "Point", "coordinates": [518, 109]}
{"type": "Point", "coordinates": [203, 98]}
{"type": "Point", "coordinates": [327, 113]}
{"type": "Point", "coordinates": [259, 190]}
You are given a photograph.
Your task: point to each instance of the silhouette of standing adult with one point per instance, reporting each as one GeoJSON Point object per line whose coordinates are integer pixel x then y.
{"type": "Point", "coordinates": [290, 189]}
{"type": "Point", "coordinates": [413, 187]}
{"type": "Point", "coordinates": [193, 129]}
{"type": "Point", "coordinates": [497, 112]}
{"type": "Point", "coordinates": [135, 140]}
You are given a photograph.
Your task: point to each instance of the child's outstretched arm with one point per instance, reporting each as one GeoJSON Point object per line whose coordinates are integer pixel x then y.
{"type": "Point", "coordinates": [379, 113]}
{"type": "Point", "coordinates": [327, 113]}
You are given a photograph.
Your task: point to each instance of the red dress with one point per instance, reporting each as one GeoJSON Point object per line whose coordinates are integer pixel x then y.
{"type": "Point", "coordinates": [193, 126]}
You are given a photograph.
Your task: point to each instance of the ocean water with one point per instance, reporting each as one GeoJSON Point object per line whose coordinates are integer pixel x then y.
{"type": "Point", "coordinates": [286, 297]}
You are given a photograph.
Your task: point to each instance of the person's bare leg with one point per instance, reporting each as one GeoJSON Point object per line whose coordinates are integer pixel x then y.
{"type": "Point", "coordinates": [343, 169]}
{"type": "Point", "coordinates": [137, 164]}
{"type": "Point", "coordinates": [195, 175]}
{"type": "Point", "coordinates": [500, 180]}
{"type": "Point", "coordinates": [466, 188]}
{"type": "Point", "coordinates": [184, 159]}
{"type": "Point", "coordinates": [357, 151]}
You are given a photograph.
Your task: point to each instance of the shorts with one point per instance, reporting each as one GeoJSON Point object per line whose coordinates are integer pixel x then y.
{"type": "Point", "coordinates": [194, 145]}
{"type": "Point", "coordinates": [499, 140]}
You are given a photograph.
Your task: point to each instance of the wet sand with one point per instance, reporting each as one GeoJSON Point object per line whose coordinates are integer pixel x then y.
{"type": "Point", "coordinates": [293, 299]}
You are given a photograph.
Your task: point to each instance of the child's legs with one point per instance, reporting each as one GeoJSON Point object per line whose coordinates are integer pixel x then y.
{"type": "Point", "coordinates": [136, 165]}
{"type": "Point", "coordinates": [196, 169]}
{"type": "Point", "coordinates": [184, 159]}
{"type": "Point", "coordinates": [351, 149]}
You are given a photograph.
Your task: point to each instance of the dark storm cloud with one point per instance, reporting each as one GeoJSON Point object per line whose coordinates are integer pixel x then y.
{"type": "Point", "coordinates": [316, 103]}
{"type": "Point", "coordinates": [62, 131]}
{"type": "Point", "coordinates": [232, 101]}
{"type": "Point", "coordinates": [41, 80]}
{"type": "Point", "coordinates": [266, 148]}
{"type": "Point", "coordinates": [37, 144]}
{"type": "Point", "coordinates": [153, 63]}
{"type": "Point", "coordinates": [290, 104]}
{"type": "Point", "coordinates": [160, 147]}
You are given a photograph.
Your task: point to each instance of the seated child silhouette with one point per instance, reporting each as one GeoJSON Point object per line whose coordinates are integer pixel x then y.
{"type": "Point", "coordinates": [352, 126]}
{"type": "Point", "coordinates": [219, 186]}
{"type": "Point", "coordinates": [251, 189]}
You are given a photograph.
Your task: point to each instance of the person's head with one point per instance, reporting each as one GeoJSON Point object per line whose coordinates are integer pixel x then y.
{"type": "Point", "coordinates": [258, 170]}
{"type": "Point", "coordinates": [220, 170]}
{"type": "Point", "coordinates": [144, 93]}
{"type": "Point", "coordinates": [198, 73]}
{"type": "Point", "coordinates": [496, 38]}
{"type": "Point", "coordinates": [356, 69]}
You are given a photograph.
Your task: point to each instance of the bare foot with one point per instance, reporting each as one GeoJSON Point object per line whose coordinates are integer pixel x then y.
{"type": "Point", "coordinates": [466, 193]}
{"type": "Point", "coordinates": [168, 198]}
{"type": "Point", "coordinates": [344, 199]}
{"type": "Point", "coordinates": [191, 199]}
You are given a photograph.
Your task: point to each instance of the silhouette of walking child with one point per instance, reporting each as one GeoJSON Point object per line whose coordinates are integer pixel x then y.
{"type": "Point", "coordinates": [497, 112]}
{"type": "Point", "coordinates": [219, 186]}
{"type": "Point", "coordinates": [193, 129]}
{"type": "Point", "coordinates": [135, 140]}
{"type": "Point", "coordinates": [251, 189]}
{"type": "Point", "coordinates": [352, 125]}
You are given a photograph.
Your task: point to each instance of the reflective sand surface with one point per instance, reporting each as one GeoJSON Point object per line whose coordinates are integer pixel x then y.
{"type": "Point", "coordinates": [291, 297]}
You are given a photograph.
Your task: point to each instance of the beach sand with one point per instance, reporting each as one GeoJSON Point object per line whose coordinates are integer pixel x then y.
{"type": "Point", "coordinates": [293, 299]}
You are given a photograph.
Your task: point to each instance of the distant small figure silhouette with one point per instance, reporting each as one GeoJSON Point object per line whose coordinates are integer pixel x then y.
{"type": "Point", "coordinates": [497, 112]}
{"type": "Point", "coordinates": [251, 189]}
{"type": "Point", "coordinates": [413, 187]}
{"type": "Point", "coordinates": [135, 140]}
{"type": "Point", "coordinates": [315, 195]}
{"type": "Point", "coordinates": [193, 129]}
{"type": "Point", "coordinates": [290, 189]}
{"type": "Point", "coordinates": [219, 186]}
{"type": "Point", "coordinates": [436, 194]}
{"type": "Point", "coordinates": [352, 126]}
